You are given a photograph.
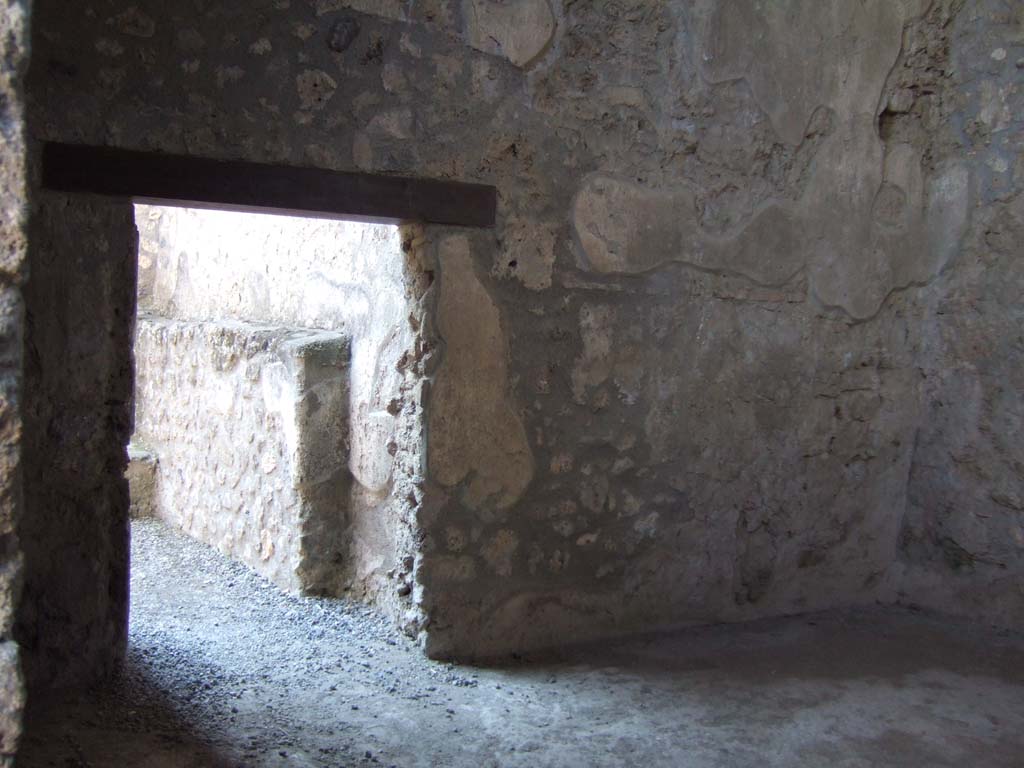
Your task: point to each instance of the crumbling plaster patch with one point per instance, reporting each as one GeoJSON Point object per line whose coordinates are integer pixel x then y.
{"type": "Point", "coordinates": [527, 252]}
{"type": "Point", "coordinates": [476, 435]}
{"type": "Point", "coordinates": [519, 30]}
{"type": "Point", "coordinates": [870, 219]}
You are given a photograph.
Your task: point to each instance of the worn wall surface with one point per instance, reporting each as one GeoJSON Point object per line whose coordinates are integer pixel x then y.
{"type": "Point", "coordinates": [688, 377]}
{"type": "Point", "coordinates": [962, 547]}
{"type": "Point", "coordinates": [14, 22]}
{"type": "Point", "coordinates": [347, 278]}
{"type": "Point", "coordinates": [80, 305]}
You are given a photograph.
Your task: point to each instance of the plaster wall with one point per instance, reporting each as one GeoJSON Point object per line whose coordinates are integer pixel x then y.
{"type": "Point", "coordinates": [76, 406]}
{"type": "Point", "coordinates": [689, 376]}
{"type": "Point", "coordinates": [14, 32]}
{"type": "Point", "coordinates": [962, 547]}
{"type": "Point", "coordinates": [248, 425]}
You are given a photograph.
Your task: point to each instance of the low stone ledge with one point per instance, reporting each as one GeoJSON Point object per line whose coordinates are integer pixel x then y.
{"type": "Point", "coordinates": [247, 427]}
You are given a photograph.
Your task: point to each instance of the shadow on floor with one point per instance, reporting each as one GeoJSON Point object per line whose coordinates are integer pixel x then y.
{"type": "Point", "coordinates": [129, 721]}
{"type": "Point", "coordinates": [849, 689]}
{"type": "Point", "coordinates": [224, 670]}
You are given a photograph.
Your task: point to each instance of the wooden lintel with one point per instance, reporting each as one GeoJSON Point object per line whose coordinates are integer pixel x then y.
{"type": "Point", "coordinates": [203, 183]}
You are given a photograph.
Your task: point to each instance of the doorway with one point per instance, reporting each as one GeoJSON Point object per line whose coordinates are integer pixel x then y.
{"type": "Point", "coordinates": [272, 414]}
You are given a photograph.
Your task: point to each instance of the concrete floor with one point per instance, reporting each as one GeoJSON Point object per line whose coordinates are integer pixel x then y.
{"type": "Point", "coordinates": [225, 671]}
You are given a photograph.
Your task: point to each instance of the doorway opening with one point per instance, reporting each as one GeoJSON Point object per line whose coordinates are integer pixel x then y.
{"type": "Point", "coordinates": [276, 416]}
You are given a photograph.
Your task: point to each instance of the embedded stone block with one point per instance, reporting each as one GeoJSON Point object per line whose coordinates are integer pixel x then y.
{"type": "Point", "coordinates": [141, 474]}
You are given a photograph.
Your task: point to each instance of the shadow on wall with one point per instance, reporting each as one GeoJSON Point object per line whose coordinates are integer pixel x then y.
{"type": "Point", "coordinates": [77, 420]}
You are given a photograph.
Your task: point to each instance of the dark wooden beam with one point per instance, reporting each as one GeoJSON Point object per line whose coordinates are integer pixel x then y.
{"type": "Point", "coordinates": [202, 183]}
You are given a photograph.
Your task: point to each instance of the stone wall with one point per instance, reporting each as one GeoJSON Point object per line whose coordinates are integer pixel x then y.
{"type": "Point", "coordinates": [249, 425]}
{"type": "Point", "coordinates": [962, 548]}
{"type": "Point", "coordinates": [80, 305]}
{"type": "Point", "coordinates": [14, 16]}
{"type": "Point", "coordinates": [341, 277]}
{"type": "Point", "coordinates": [689, 376]}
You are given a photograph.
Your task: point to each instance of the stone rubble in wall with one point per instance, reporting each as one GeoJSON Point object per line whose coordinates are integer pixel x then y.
{"type": "Point", "coordinates": [14, 19]}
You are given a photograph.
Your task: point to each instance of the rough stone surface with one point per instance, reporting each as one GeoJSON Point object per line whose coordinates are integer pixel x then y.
{"type": "Point", "coordinates": [12, 701]}
{"type": "Point", "coordinates": [14, 21]}
{"type": "Point", "coordinates": [962, 547]}
{"type": "Point", "coordinates": [351, 448]}
{"type": "Point", "coordinates": [742, 250]}
{"type": "Point", "coordinates": [142, 482]}
{"type": "Point", "coordinates": [249, 425]}
{"type": "Point", "coordinates": [470, 395]}
{"type": "Point", "coordinates": [80, 305]}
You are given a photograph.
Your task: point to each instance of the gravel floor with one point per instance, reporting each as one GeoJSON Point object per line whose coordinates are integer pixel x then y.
{"type": "Point", "coordinates": [224, 663]}
{"type": "Point", "coordinates": [224, 670]}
